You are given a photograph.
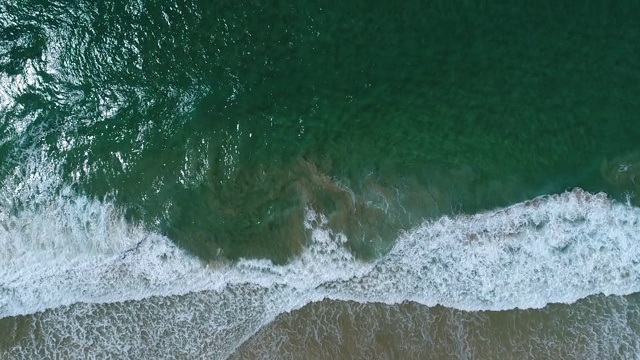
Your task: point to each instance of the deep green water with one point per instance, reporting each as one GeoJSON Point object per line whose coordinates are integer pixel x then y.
{"type": "Point", "coordinates": [202, 119]}
{"type": "Point", "coordinates": [217, 123]}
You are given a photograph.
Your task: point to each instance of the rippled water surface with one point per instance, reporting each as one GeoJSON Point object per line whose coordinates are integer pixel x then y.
{"type": "Point", "coordinates": [338, 180]}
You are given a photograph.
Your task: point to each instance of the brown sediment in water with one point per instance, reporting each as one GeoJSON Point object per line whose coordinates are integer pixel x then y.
{"type": "Point", "coordinates": [259, 212]}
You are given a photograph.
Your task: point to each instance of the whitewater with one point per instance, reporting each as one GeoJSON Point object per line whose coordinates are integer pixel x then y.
{"type": "Point", "coordinates": [65, 256]}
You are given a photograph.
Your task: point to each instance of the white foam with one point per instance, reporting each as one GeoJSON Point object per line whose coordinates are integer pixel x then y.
{"type": "Point", "coordinates": [66, 249]}
{"type": "Point", "coordinates": [553, 249]}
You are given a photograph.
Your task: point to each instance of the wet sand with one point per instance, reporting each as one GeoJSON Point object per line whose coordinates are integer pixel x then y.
{"type": "Point", "coordinates": [598, 327]}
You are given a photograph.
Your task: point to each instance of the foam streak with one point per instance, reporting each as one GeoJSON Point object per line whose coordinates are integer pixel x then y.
{"type": "Point", "coordinates": [552, 249]}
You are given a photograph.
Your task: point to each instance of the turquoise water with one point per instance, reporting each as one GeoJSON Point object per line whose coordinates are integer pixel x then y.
{"type": "Point", "coordinates": [153, 152]}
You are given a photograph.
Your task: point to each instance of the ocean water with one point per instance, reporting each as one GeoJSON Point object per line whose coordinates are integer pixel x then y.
{"type": "Point", "coordinates": [259, 180]}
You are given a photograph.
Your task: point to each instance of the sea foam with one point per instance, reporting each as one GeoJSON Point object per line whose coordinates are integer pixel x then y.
{"type": "Point", "coordinates": [67, 249]}
{"type": "Point", "coordinates": [552, 249]}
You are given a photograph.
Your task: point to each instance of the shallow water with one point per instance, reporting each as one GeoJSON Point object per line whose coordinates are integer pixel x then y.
{"type": "Point", "coordinates": [342, 330]}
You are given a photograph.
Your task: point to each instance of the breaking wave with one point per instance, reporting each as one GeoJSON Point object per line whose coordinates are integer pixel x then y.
{"type": "Point", "coordinates": [69, 254]}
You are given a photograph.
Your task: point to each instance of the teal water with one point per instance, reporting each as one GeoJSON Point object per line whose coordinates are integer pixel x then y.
{"type": "Point", "coordinates": [191, 116]}
{"type": "Point", "coordinates": [212, 132]}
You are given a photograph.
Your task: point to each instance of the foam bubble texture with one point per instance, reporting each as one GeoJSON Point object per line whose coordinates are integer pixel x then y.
{"type": "Point", "coordinates": [71, 250]}
{"type": "Point", "coordinates": [553, 249]}
{"type": "Point", "coordinates": [62, 249]}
